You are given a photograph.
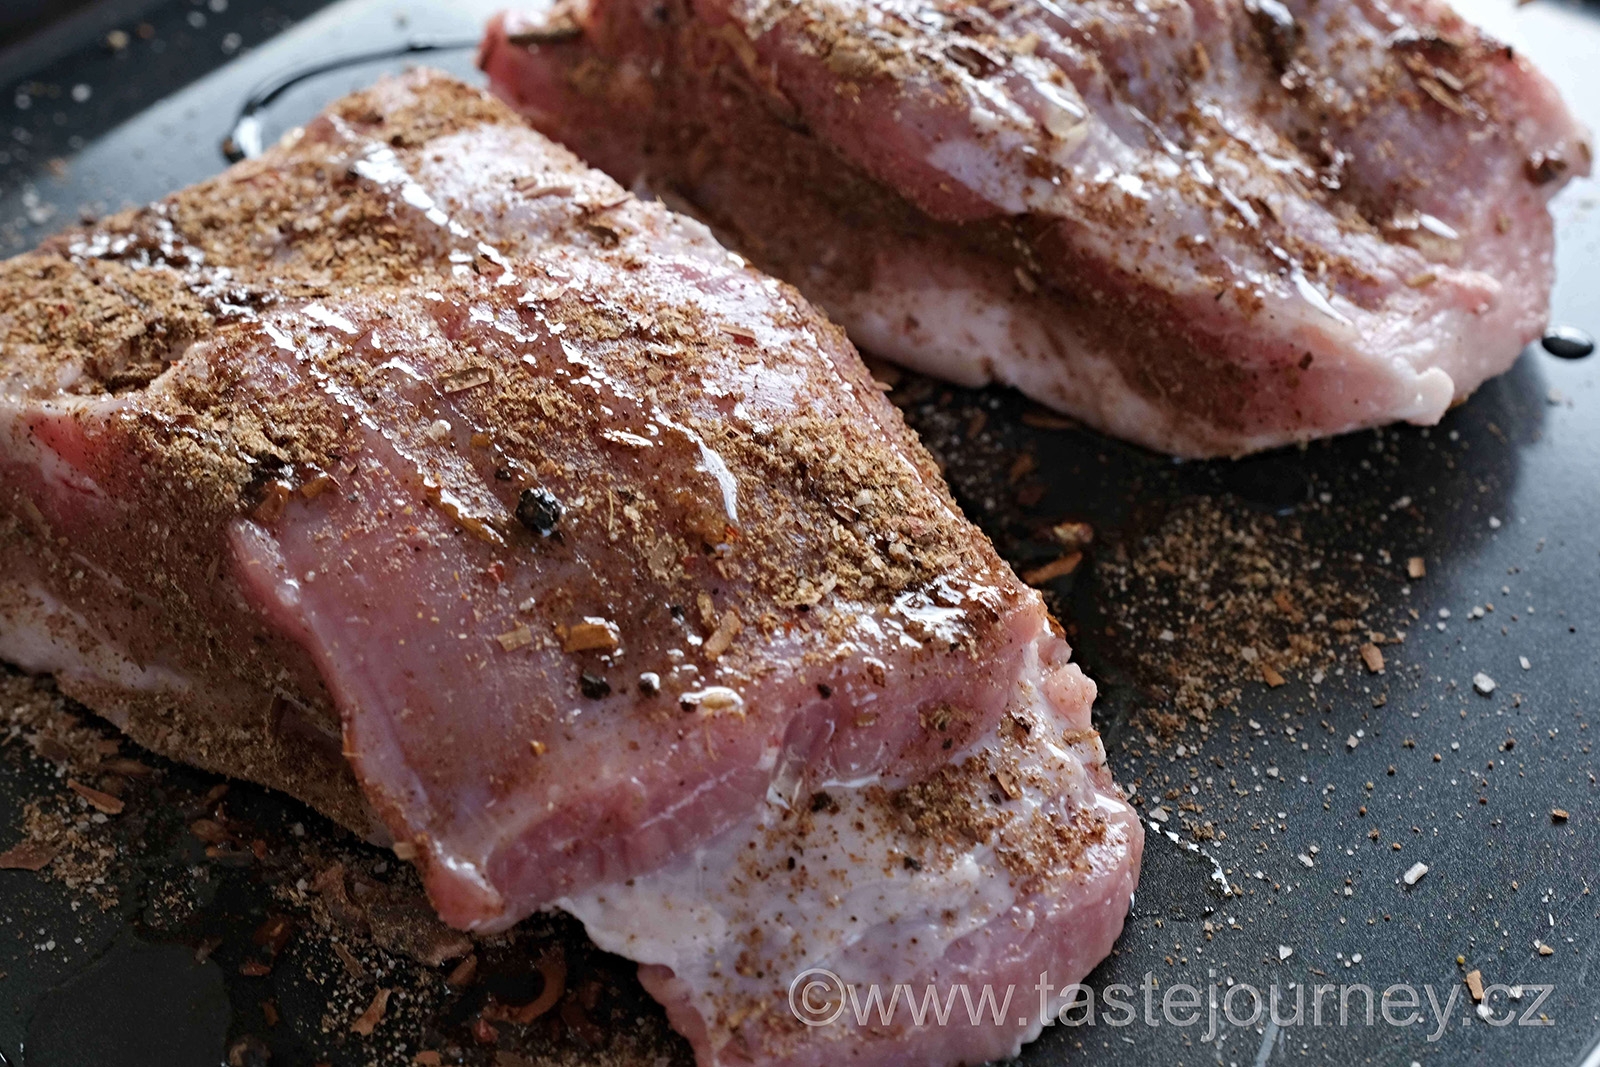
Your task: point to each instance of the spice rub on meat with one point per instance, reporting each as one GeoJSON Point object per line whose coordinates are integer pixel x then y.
{"type": "Point", "coordinates": [1209, 228]}
{"type": "Point", "coordinates": [997, 867]}
{"type": "Point", "coordinates": [422, 472]}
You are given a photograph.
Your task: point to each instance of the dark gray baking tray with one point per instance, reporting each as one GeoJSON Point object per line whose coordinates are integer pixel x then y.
{"type": "Point", "coordinates": [1505, 495]}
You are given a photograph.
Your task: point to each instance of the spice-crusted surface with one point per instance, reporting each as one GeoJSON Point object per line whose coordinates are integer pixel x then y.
{"type": "Point", "coordinates": [522, 493]}
{"type": "Point", "coordinates": [1008, 862]}
{"type": "Point", "coordinates": [416, 442]}
{"type": "Point", "coordinates": [1209, 229]}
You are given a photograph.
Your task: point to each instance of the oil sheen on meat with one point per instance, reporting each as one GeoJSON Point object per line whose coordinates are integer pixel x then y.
{"type": "Point", "coordinates": [419, 470]}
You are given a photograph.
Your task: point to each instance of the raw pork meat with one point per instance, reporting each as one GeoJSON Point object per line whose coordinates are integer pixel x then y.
{"type": "Point", "coordinates": [1208, 226]}
{"type": "Point", "coordinates": [420, 471]}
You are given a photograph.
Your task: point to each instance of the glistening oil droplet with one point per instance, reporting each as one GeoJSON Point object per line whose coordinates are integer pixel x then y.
{"type": "Point", "coordinates": [1567, 342]}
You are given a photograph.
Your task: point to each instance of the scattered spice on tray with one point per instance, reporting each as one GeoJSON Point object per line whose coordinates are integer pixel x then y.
{"type": "Point", "coordinates": [395, 985]}
{"type": "Point", "coordinates": [368, 1020]}
{"type": "Point", "coordinates": [1217, 597]}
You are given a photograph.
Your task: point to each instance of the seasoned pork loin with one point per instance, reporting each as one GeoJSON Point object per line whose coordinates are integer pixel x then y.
{"type": "Point", "coordinates": [1208, 226]}
{"type": "Point", "coordinates": [422, 472]}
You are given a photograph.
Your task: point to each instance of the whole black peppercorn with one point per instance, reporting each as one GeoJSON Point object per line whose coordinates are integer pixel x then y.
{"type": "Point", "coordinates": [539, 511]}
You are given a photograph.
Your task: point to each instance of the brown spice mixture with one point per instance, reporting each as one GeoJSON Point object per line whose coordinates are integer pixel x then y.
{"type": "Point", "coordinates": [342, 918]}
{"type": "Point", "coordinates": [1218, 597]}
{"type": "Point", "coordinates": [837, 501]}
{"type": "Point", "coordinates": [948, 808]}
{"type": "Point", "coordinates": [62, 835]}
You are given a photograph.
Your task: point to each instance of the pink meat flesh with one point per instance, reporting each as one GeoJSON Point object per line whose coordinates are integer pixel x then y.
{"type": "Point", "coordinates": [421, 471]}
{"type": "Point", "coordinates": [1208, 226]}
